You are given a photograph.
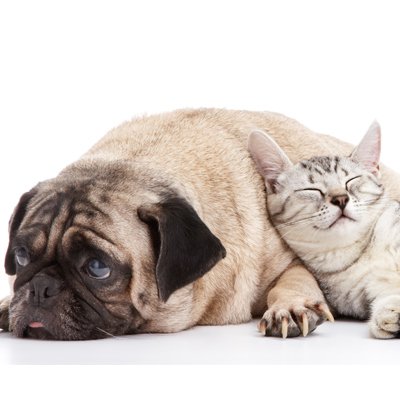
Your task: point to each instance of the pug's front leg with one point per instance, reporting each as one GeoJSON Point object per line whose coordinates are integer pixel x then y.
{"type": "Point", "coordinates": [295, 305]}
{"type": "Point", "coordinates": [4, 313]}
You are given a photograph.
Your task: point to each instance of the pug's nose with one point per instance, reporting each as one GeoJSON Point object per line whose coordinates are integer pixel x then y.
{"type": "Point", "coordinates": [340, 201]}
{"type": "Point", "coordinates": [43, 289]}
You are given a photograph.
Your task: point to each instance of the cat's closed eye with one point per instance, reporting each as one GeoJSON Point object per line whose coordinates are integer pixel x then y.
{"type": "Point", "coordinates": [350, 180]}
{"type": "Point", "coordinates": [311, 189]}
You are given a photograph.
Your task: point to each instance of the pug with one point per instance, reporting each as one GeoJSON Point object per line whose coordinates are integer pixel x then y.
{"type": "Point", "coordinates": [161, 226]}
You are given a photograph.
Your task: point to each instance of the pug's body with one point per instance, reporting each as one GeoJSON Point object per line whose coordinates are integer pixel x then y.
{"type": "Point", "coordinates": [161, 226]}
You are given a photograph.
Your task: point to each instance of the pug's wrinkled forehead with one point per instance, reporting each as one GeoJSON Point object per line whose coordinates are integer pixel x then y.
{"type": "Point", "coordinates": [56, 220]}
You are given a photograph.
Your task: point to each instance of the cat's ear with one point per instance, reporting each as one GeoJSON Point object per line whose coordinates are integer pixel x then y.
{"type": "Point", "coordinates": [270, 159]}
{"type": "Point", "coordinates": [368, 151]}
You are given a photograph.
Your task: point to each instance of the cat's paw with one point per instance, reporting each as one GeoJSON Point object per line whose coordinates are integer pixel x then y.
{"type": "Point", "coordinates": [289, 320]}
{"type": "Point", "coordinates": [4, 316]}
{"type": "Point", "coordinates": [385, 318]}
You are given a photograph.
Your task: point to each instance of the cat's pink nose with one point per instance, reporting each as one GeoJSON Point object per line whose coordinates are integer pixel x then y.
{"type": "Point", "coordinates": [340, 201]}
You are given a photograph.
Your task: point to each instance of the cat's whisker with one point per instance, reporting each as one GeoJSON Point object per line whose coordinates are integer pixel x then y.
{"type": "Point", "coordinates": [307, 218]}
{"type": "Point", "coordinates": [375, 200]}
{"type": "Point", "coordinates": [369, 205]}
{"type": "Point", "coordinates": [304, 224]}
{"type": "Point", "coordinates": [293, 228]}
{"type": "Point", "coordinates": [107, 333]}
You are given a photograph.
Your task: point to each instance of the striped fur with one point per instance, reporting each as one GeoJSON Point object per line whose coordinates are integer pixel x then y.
{"type": "Point", "coordinates": [353, 252]}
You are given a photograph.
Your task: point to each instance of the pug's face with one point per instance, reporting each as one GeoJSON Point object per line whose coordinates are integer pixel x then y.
{"type": "Point", "coordinates": [83, 250]}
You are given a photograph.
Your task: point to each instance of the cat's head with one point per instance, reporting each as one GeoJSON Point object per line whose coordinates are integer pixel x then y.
{"type": "Point", "coordinates": [327, 200]}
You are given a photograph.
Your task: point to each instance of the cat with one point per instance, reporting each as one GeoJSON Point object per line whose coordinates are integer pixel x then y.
{"type": "Point", "coordinates": [333, 212]}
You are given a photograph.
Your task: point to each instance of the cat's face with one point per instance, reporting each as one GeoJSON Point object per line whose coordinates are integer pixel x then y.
{"type": "Point", "coordinates": [322, 202]}
{"type": "Point", "coordinates": [325, 199]}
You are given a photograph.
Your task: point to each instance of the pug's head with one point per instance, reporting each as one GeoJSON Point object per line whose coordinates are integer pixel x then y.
{"type": "Point", "coordinates": [99, 251]}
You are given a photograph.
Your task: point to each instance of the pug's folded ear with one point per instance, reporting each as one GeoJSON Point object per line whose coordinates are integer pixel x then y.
{"type": "Point", "coordinates": [13, 225]}
{"type": "Point", "coordinates": [187, 248]}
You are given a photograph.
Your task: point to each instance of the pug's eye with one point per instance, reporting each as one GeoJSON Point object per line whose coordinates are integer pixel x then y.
{"type": "Point", "coordinates": [97, 269]}
{"type": "Point", "coordinates": [22, 258]}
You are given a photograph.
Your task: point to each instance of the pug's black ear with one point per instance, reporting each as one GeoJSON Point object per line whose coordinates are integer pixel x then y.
{"type": "Point", "coordinates": [187, 248]}
{"type": "Point", "coordinates": [15, 221]}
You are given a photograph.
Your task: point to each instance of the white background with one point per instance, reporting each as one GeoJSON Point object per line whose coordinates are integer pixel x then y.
{"type": "Point", "coordinates": [72, 70]}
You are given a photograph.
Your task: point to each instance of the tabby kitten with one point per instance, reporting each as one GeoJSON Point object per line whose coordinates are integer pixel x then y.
{"type": "Point", "coordinates": [333, 212]}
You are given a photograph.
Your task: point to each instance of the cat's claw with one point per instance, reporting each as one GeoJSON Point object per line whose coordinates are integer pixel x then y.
{"type": "Point", "coordinates": [325, 310]}
{"type": "Point", "coordinates": [285, 326]}
{"type": "Point", "coordinates": [294, 320]}
{"type": "Point", "coordinates": [305, 325]}
{"type": "Point", "coordinates": [262, 326]}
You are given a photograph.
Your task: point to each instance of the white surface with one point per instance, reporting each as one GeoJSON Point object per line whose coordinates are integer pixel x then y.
{"type": "Point", "coordinates": [70, 71]}
{"type": "Point", "coordinates": [344, 342]}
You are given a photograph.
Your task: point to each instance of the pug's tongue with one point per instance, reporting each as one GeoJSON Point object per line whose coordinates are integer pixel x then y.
{"type": "Point", "coordinates": [36, 325]}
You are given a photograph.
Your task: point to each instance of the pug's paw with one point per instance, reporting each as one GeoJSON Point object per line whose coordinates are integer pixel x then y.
{"type": "Point", "coordinates": [4, 314]}
{"type": "Point", "coordinates": [385, 318]}
{"type": "Point", "coordinates": [289, 320]}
